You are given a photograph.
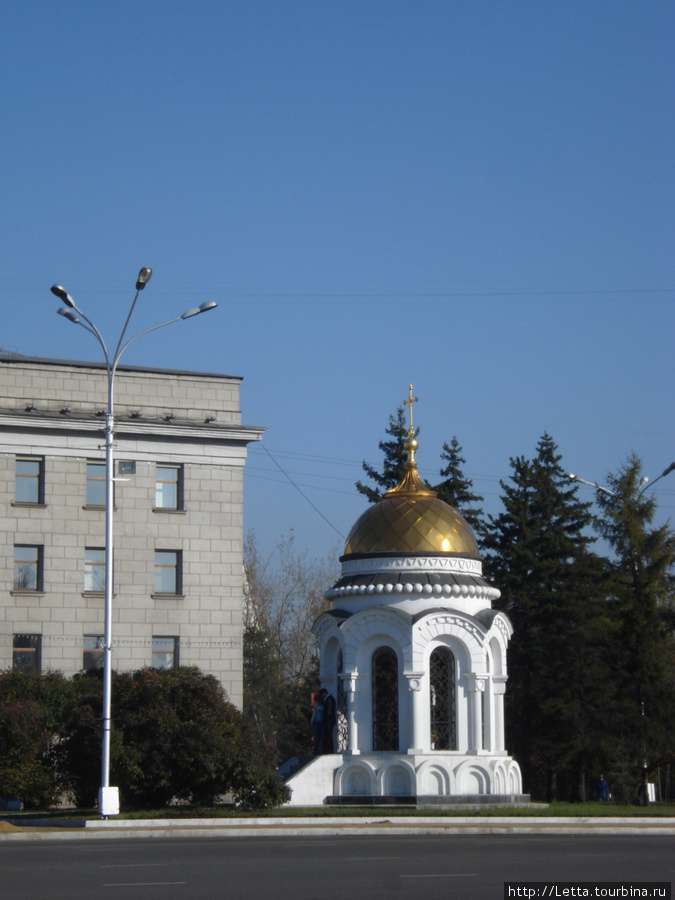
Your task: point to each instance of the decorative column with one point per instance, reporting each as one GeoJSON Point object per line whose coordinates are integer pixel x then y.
{"type": "Point", "coordinates": [488, 716]}
{"type": "Point", "coordinates": [349, 685]}
{"type": "Point", "coordinates": [498, 691]}
{"type": "Point", "coordinates": [417, 717]}
{"type": "Point", "coordinates": [476, 686]}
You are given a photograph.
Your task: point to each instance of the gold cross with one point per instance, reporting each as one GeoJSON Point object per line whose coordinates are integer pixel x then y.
{"type": "Point", "coordinates": [409, 403]}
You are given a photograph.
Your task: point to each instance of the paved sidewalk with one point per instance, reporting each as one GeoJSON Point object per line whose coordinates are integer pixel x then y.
{"type": "Point", "coordinates": [315, 827]}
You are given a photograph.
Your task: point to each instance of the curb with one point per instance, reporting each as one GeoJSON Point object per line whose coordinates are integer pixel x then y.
{"type": "Point", "coordinates": [329, 827]}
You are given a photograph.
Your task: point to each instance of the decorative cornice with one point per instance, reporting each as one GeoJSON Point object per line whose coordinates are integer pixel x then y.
{"type": "Point", "coordinates": [446, 620]}
{"type": "Point", "coordinates": [480, 591]}
{"type": "Point", "coordinates": [374, 564]}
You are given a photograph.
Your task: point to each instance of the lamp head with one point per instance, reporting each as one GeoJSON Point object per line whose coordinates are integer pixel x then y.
{"type": "Point", "coordinates": [143, 278]}
{"type": "Point", "coordinates": [209, 304]}
{"type": "Point", "coordinates": [68, 314]}
{"type": "Point", "coordinates": [63, 295]}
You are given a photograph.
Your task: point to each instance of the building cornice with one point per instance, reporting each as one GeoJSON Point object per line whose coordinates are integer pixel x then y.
{"type": "Point", "coordinates": [131, 428]}
{"type": "Point", "coordinates": [41, 362]}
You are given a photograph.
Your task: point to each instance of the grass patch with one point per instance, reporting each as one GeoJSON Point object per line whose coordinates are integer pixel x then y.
{"type": "Point", "coordinates": [560, 810]}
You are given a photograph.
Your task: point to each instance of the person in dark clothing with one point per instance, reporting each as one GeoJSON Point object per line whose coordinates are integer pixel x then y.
{"type": "Point", "coordinates": [329, 721]}
{"type": "Point", "coordinates": [317, 725]}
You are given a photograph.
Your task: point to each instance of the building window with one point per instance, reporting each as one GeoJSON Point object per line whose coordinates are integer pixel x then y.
{"type": "Point", "coordinates": [168, 572]}
{"type": "Point", "coordinates": [92, 654]}
{"type": "Point", "coordinates": [164, 652]}
{"type": "Point", "coordinates": [27, 653]}
{"type": "Point", "coordinates": [169, 487]}
{"type": "Point", "coordinates": [27, 567]}
{"type": "Point", "coordinates": [96, 482]}
{"type": "Point", "coordinates": [385, 699]}
{"type": "Point", "coordinates": [94, 569]}
{"type": "Point", "coordinates": [442, 700]}
{"type": "Point", "coordinates": [29, 480]}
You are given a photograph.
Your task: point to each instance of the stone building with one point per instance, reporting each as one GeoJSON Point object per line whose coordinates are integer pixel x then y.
{"type": "Point", "coordinates": [180, 450]}
{"type": "Point", "coordinates": [415, 657]}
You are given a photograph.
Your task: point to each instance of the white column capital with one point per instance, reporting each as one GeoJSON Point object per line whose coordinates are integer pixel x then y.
{"type": "Point", "coordinates": [414, 680]}
{"type": "Point", "coordinates": [476, 683]}
{"type": "Point", "coordinates": [499, 684]}
{"type": "Point", "coordinates": [349, 682]}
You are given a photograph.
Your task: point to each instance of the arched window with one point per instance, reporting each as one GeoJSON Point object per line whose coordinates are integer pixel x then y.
{"type": "Point", "coordinates": [385, 699]}
{"type": "Point", "coordinates": [442, 710]}
{"type": "Point", "coordinates": [342, 720]}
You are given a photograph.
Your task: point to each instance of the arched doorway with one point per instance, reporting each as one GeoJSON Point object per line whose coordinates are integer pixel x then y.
{"type": "Point", "coordinates": [385, 699]}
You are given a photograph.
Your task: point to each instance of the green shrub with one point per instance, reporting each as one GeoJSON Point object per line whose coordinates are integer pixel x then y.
{"type": "Point", "coordinates": [175, 736]}
{"type": "Point", "coordinates": [32, 711]}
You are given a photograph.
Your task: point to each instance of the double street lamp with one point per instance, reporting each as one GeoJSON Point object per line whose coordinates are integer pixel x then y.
{"type": "Point", "coordinates": [108, 799]}
{"type": "Point", "coordinates": [644, 483]}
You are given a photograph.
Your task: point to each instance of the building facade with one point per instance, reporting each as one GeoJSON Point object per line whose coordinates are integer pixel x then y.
{"type": "Point", "coordinates": [179, 452]}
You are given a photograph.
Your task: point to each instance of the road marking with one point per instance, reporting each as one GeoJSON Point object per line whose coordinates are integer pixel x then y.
{"type": "Point", "coordinates": [441, 875]}
{"type": "Point", "coordinates": [142, 883]}
{"type": "Point", "coordinates": [134, 865]}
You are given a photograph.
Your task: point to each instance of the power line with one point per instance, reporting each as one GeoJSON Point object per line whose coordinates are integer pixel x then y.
{"type": "Point", "coordinates": [314, 507]}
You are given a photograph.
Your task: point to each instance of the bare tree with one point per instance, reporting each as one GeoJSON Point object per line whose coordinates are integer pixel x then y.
{"type": "Point", "coordinates": [284, 595]}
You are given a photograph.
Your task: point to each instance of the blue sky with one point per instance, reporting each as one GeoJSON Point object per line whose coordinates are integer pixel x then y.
{"type": "Point", "coordinates": [475, 197]}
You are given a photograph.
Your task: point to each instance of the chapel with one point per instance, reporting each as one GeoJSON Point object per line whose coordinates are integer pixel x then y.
{"type": "Point", "coordinates": [415, 658]}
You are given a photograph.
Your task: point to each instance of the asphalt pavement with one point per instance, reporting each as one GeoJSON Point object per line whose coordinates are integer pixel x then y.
{"type": "Point", "coordinates": [382, 866]}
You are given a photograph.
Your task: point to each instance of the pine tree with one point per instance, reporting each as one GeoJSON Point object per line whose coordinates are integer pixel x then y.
{"type": "Point", "coordinates": [642, 602]}
{"type": "Point", "coordinates": [539, 557]}
{"type": "Point", "coordinates": [458, 490]}
{"type": "Point", "coordinates": [395, 457]}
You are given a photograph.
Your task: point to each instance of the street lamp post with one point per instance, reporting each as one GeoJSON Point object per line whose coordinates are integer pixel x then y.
{"type": "Point", "coordinates": [108, 799]}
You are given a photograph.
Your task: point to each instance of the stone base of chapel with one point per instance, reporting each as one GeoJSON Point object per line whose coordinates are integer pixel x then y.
{"type": "Point", "coordinates": [466, 801]}
{"type": "Point", "coordinates": [397, 779]}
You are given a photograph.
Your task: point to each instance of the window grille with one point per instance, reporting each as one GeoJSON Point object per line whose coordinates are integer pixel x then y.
{"type": "Point", "coordinates": [442, 700]}
{"type": "Point", "coordinates": [385, 699]}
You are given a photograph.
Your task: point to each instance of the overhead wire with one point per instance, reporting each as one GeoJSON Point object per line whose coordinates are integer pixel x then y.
{"type": "Point", "coordinates": [302, 493]}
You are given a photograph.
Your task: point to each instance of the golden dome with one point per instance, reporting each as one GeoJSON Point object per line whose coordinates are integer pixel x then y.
{"type": "Point", "coordinates": [411, 524]}
{"type": "Point", "coordinates": [411, 519]}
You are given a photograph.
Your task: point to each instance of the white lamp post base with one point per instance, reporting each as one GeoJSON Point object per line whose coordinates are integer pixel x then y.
{"type": "Point", "coordinates": [108, 801]}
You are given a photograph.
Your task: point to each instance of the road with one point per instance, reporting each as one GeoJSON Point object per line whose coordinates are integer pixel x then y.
{"type": "Point", "coordinates": [324, 868]}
